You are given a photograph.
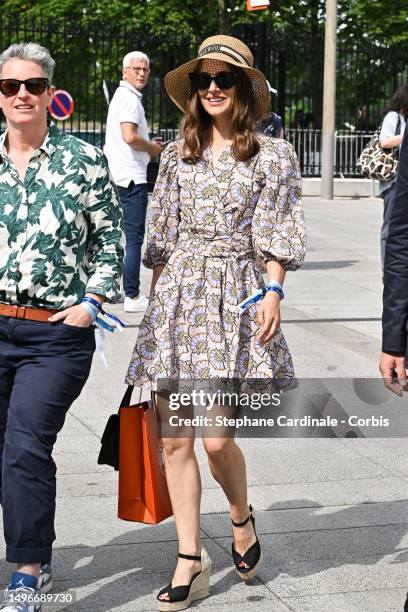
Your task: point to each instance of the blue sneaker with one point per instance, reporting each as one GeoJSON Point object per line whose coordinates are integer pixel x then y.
{"type": "Point", "coordinates": [21, 599]}
{"type": "Point", "coordinates": [45, 579]}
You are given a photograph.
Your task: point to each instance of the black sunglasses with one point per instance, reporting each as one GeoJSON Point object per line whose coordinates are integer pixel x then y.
{"type": "Point", "coordinates": [35, 86]}
{"type": "Point", "coordinates": [223, 80]}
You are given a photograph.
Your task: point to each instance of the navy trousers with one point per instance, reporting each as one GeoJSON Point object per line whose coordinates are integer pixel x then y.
{"type": "Point", "coordinates": [134, 200]}
{"type": "Point", "coordinates": [43, 368]}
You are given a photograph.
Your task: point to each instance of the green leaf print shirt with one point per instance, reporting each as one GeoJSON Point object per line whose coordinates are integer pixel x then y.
{"type": "Point", "coordinates": [61, 229]}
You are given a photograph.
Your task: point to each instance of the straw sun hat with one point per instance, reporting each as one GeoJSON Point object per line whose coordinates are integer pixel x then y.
{"type": "Point", "coordinates": [226, 49]}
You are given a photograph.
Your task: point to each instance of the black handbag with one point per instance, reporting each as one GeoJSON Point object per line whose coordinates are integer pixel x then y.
{"type": "Point", "coordinates": [109, 453]}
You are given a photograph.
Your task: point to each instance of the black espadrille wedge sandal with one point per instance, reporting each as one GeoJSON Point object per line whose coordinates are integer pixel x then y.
{"type": "Point", "coordinates": [248, 564]}
{"type": "Point", "coordinates": [180, 597]}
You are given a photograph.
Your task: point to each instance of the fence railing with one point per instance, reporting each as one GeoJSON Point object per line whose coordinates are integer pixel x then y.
{"type": "Point", "coordinates": [89, 54]}
{"type": "Point", "coordinates": [349, 146]}
{"type": "Point", "coordinates": [308, 147]}
{"type": "Point", "coordinates": [347, 149]}
{"type": "Point", "coordinates": [307, 144]}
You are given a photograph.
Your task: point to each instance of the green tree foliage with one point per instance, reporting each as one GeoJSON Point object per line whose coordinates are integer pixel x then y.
{"type": "Point", "coordinates": [375, 20]}
{"type": "Point", "coordinates": [287, 39]}
{"type": "Point", "coordinates": [384, 21]}
{"type": "Point", "coordinates": [161, 17]}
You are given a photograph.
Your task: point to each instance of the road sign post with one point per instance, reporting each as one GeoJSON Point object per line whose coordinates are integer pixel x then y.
{"type": "Point", "coordinates": [329, 100]}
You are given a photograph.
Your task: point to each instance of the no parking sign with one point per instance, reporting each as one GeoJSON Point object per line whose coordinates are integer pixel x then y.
{"type": "Point", "coordinates": [62, 105]}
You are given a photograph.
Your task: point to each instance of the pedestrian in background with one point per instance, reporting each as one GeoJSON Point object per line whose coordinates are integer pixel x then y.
{"type": "Point", "coordinates": [226, 206]}
{"type": "Point", "coordinates": [128, 150]}
{"type": "Point", "coordinates": [61, 251]}
{"type": "Point", "coordinates": [392, 132]}
{"type": "Point", "coordinates": [272, 124]}
{"type": "Point", "coordinates": [364, 119]}
{"type": "Point", "coordinates": [299, 121]}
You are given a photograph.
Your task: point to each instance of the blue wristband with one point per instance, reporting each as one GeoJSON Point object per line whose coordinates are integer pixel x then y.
{"type": "Point", "coordinates": [275, 286]}
{"type": "Point", "coordinates": [104, 324]}
{"type": "Point", "coordinates": [274, 283]}
{"type": "Point", "coordinates": [91, 310]}
{"type": "Point", "coordinates": [259, 294]}
{"type": "Point", "coordinates": [93, 302]}
{"type": "Point", "coordinates": [277, 290]}
{"type": "Point", "coordinates": [88, 302]}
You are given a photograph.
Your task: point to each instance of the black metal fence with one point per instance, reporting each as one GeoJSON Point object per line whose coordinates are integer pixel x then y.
{"type": "Point", "coordinates": [308, 145]}
{"type": "Point", "coordinates": [89, 62]}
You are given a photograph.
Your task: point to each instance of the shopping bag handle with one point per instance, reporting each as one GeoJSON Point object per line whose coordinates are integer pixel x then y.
{"type": "Point", "coordinates": [126, 399]}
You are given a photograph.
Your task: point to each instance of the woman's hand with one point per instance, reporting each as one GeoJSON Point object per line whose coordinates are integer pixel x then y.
{"type": "Point", "coordinates": [268, 316]}
{"type": "Point", "coordinates": [75, 316]}
{"type": "Point", "coordinates": [157, 270]}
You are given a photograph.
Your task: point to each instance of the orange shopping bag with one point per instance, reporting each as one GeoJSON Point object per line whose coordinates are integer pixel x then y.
{"type": "Point", "coordinates": [143, 493]}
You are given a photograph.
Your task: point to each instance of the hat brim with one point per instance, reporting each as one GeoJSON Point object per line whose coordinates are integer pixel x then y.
{"type": "Point", "coordinates": [178, 84]}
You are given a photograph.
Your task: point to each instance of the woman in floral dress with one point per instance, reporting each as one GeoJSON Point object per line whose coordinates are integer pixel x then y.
{"type": "Point", "coordinates": [226, 207]}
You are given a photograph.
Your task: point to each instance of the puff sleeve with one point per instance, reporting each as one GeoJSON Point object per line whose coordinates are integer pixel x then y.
{"type": "Point", "coordinates": [163, 224]}
{"type": "Point", "coordinates": [278, 225]}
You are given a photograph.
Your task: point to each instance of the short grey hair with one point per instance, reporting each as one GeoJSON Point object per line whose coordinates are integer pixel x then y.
{"type": "Point", "coordinates": [30, 51]}
{"type": "Point", "coordinates": [137, 55]}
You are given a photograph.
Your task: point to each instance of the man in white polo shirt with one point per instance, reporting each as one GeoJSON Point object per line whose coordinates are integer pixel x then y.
{"type": "Point", "coordinates": [128, 150]}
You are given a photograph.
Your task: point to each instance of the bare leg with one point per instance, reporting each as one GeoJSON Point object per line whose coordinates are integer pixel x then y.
{"type": "Point", "coordinates": [184, 483]}
{"type": "Point", "coordinates": [227, 465]}
{"type": "Point", "coordinates": [33, 569]}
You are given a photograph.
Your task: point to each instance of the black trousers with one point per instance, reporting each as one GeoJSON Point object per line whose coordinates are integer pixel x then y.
{"type": "Point", "coordinates": [43, 368]}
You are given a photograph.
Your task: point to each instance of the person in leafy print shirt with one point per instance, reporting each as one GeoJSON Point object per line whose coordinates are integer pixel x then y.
{"type": "Point", "coordinates": [61, 251]}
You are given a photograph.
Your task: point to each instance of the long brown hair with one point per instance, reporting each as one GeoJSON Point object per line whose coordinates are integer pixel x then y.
{"type": "Point", "coordinates": [197, 123]}
{"type": "Point", "coordinates": [399, 101]}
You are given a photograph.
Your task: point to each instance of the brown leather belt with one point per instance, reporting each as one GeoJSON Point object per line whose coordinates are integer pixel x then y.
{"type": "Point", "coordinates": [26, 312]}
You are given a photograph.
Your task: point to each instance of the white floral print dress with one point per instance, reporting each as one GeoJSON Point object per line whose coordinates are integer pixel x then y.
{"type": "Point", "coordinates": [214, 226]}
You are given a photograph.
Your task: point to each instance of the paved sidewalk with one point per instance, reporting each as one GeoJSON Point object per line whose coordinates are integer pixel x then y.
{"type": "Point", "coordinates": [332, 513]}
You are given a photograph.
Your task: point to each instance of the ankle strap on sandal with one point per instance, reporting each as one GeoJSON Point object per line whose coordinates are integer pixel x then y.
{"type": "Point", "coordinates": [243, 522]}
{"type": "Point", "coordinates": [190, 557]}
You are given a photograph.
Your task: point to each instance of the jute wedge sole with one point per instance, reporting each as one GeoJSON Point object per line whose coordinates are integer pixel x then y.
{"type": "Point", "coordinates": [253, 572]}
{"type": "Point", "coordinates": [200, 588]}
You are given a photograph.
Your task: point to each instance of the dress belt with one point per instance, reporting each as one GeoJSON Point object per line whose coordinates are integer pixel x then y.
{"type": "Point", "coordinates": [216, 248]}
{"type": "Point", "coordinates": [26, 312]}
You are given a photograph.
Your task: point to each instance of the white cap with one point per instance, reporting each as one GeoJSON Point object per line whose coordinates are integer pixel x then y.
{"type": "Point", "coordinates": [271, 89]}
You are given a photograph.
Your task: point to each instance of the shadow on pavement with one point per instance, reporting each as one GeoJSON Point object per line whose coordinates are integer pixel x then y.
{"type": "Point", "coordinates": [333, 539]}
{"type": "Point", "coordinates": [329, 265]}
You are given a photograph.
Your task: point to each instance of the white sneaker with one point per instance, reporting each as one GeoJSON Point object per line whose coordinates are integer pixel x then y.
{"type": "Point", "coordinates": [135, 304]}
{"type": "Point", "coordinates": [45, 579]}
{"type": "Point", "coordinates": [22, 599]}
